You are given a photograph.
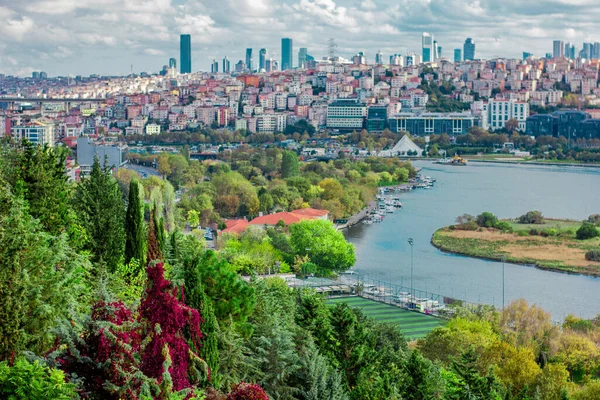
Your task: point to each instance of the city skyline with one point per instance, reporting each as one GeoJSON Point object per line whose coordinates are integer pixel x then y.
{"type": "Point", "coordinates": [67, 37]}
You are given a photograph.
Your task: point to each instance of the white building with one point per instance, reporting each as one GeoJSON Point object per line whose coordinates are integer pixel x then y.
{"type": "Point", "coordinates": [35, 132]}
{"type": "Point", "coordinates": [152, 129]}
{"type": "Point", "coordinates": [346, 115]}
{"type": "Point", "coordinates": [500, 111]}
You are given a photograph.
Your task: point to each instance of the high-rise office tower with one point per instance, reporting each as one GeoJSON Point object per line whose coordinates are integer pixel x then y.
{"type": "Point", "coordinates": [439, 52]}
{"type": "Point", "coordinates": [595, 50]}
{"type": "Point", "coordinates": [428, 49]}
{"type": "Point", "coordinates": [469, 50]}
{"type": "Point", "coordinates": [379, 58]}
{"type": "Point", "coordinates": [226, 65]}
{"type": "Point", "coordinates": [249, 63]}
{"type": "Point", "coordinates": [558, 49]}
{"type": "Point", "coordinates": [262, 61]}
{"type": "Point", "coordinates": [185, 54]}
{"type": "Point", "coordinates": [287, 54]}
{"type": "Point", "coordinates": [435, 51]}
{"type": "Point", "coordinates": [569, 51]}
{"type": "Point", "coordinates": [302, 53]}
{"type": "Point", "coordinates": [526, 55]}
{"type": "Point", "coordinates": [457, 55]}
{"type": "Point", "coordinates": [214, 68]}
{"type": "Point", "coordinates": [172, 63]}
{"type": "Point", "coordinates": [586, 52]}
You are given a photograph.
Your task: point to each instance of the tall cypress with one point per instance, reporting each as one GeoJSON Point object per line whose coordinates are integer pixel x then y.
{"type": "Point", "coordinates": [100, 207]}
{"type": "Point", "coordinates": [135, 229]}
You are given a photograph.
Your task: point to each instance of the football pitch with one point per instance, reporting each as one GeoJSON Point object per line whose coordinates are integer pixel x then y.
{"type": "Point", "coordinates": [412, 324]}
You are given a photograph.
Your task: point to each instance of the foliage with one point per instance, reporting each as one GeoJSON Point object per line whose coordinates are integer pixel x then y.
{"type": "Point", "coordinates": [24, 380]}
{"type": "Point", "coordinates": [531, 217]}
{"type": "Point", "coordinates": [593, 255]}
{"type": "Point", "coordinates": [135, 229]}
{"type": "Point", "coordinates": [587, 231]}
{"type": "Point", "coordinates": [487, 220]}
{"type": "Point", "coordinates": [247, 391]}
{"type": "Point", "coordinates": [289, 165]}
{"type": "Point", "coordinates": [99, 204]}
{"type": "Point", "coordinates": [594, 219]}
{"type": "Point", "coordinates": [325, 246]}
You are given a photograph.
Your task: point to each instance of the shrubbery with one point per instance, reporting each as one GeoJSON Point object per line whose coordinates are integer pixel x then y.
{"type": "Point", "coordinates": [593, 255]}
{"type": "Point", "coordinates": [25, 380]}
{"type": "Point", "coordinates": [594, 219]}
{"type": "Point", "coordinates": [503, 226]}
{"type": "Point", "coordinates": [587, 231]}
{"type": "Point", "coordinates": [532, 217]}
{"type": "Point", "coordinates": [487, 220]}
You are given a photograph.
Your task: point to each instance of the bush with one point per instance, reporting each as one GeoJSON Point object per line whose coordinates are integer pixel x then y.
{"type": "Point", "coordinates": [532, 217]}
{"type": "Point", "coordinates": [487, 220]}
{"type": "Point", "coordinates": [587, 231]}
{"type": "Point", "coordinates": [593, 255]}
{"type": "Point", "coordinates": [523, 233]}
{"type": "Point", "coordinates": [247, 391]}
{"type": "Point", "coordinates": [503, 226]}
{"type": "Point", "coordinates": [594, 219]}
{"type": "Point", "coordinates": [25, 380]}
{"type": "Point", "coordinates": [534, 232]}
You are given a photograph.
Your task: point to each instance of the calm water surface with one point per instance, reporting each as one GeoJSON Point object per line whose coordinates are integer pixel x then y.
{"type": "Point", "coordinates": [508, 191]}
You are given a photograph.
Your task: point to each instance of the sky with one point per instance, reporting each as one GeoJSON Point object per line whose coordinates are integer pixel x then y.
{"type": "Point", "coordinates": [110, 37]}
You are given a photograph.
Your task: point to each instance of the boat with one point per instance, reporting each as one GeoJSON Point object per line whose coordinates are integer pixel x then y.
{"type": "Point", "coordinates": [456, 160]}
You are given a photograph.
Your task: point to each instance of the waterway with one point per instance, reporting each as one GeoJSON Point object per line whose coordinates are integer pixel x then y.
{"type": "Point", "coordinates": [383, 253]}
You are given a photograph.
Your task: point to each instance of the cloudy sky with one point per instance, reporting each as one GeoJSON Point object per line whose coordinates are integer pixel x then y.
{"type": "Point", "coordinates": [108, 36]}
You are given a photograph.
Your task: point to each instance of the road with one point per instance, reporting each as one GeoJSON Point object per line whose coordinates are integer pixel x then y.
{"type": "Point", "coordinates": [143, 171]}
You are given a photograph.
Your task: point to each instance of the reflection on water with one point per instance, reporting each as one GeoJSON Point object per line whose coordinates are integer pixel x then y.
{"type": "Point", "coordinates": [507, 191]}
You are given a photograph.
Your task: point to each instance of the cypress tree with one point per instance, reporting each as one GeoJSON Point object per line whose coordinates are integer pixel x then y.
{"type": "Point", "coordinates": [289, 165]}
{"type": "Point", "coordinates": [100, 207]}
{"type": "Point", "coordinates": [135, 230]}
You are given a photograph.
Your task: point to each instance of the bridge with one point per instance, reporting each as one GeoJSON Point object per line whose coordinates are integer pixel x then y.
{"type": "Point", "coordinates": [11, 101]}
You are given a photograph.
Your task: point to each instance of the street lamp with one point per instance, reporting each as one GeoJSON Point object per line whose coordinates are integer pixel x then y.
{"type": "Point", "coordinates": [411, 242]}
{"type": "Point", "coordinates": [503, 261]}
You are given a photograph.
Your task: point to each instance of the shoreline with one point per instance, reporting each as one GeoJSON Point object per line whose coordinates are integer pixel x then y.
{"type": "Point", "coordinates": [509, 260]}
{"type": "Point", "coordinates": [537, 163]}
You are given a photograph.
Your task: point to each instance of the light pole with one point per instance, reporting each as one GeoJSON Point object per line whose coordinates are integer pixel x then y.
{"type": "Point", "coordinates": [411, 242]}
{"type": "Point", "coordinates": [503, 261]}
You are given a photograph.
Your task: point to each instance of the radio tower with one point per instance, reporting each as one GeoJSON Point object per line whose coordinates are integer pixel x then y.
{"type": "Point", "coordinates": [331, 47]}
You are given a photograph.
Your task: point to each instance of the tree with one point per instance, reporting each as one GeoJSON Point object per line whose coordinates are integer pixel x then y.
{"type": "Point", "coordinates": [532, 217]}
{"type": "Point", "coordinates": [135, 229]}
{"type": "Point", "coordinates": [332, 189]}
{"type": "Point", "coordinates": [325, 246]}
{"type": "Point", "coordinates": [471, 384]}
{"type": "Point", "coordinates": [487, 220]}
{"type": "Point", "coordinates": [289, 165]}
{"type": "Point", "coordinates": [24, 380]}
{"type": "Point", "coordinates": [512, 125]}
{"type": "Point", "coordinates": [587, 231]}
{"type": "Point", "coordinates": [99, 203]}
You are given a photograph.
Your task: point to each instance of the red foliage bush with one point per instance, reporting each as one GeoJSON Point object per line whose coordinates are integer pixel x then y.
{"type": "Point", "coordinates": [247, 391]}
{"type": "Point", "coordinates": [165, 318]}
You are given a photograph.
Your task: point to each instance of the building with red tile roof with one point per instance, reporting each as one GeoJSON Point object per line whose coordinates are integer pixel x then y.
{"type": "Point", "coordinates": [291, 217]}
{"type": "Point", "coordinates": [235, 226]}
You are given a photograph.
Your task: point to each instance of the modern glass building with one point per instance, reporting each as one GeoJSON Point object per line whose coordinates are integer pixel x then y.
{"type": "Point", "coordinates": [428, 49]}
{"type": "Point", "coordinates": [172, 63]}
{"type": "Point", "coordinates": [302, 57]}
{"type": "Point", "coordinates": [457, 55]}
{"type": "Point", "coordinates": [185, 54]}
{"type": "Point", "coordinates": [249, 63]}
{"type": "Point", "coordinates": [571, 124]}
{"type": "Point", "coordinates": [287, 54]}
{"type": "Point", "coordinates": [421, 124]}
{"type": "Point", "coordinates": [262, 60]}
{"type": "Point", "coordinates": [469, 50]}
{"type": "Point", "coordinates": [376, 118]}
{"type": "Point", "coordinates": [346, 115]}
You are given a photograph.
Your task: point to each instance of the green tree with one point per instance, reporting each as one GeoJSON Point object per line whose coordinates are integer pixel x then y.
{"type": "Point", "coordinates": [99, 203]}
{"type": "Point", "coordinates": [471, 384]}
{"type": "Point", "coordinates": [325, 245]}
{"type": "Point", "coordinates": [135, 229]}
{"type": "Point", "coordinates": [587, 231]}
{"type": "Point", "coordinates": [487, 220]}
{"type": "Point", "coordinates": [289, 166]}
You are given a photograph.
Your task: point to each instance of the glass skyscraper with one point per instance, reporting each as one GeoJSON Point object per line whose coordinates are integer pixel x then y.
{"type": "Point", "coordinates": [249, 63]}
{"type": "Point", "coordinates": [469, 50]}
{"type": "Point", "coordinates": [428, 49]}
{"type": "Point", "coordinates": [287, 54]}
{"type": "Point", "coordinates": [262, 62]}
{"type": "Point", "coordinates": [302, 57]}
{"type": "Point", "coordinates": [185, 54]}
{"type": "Point", "coordinates": [457, 55]}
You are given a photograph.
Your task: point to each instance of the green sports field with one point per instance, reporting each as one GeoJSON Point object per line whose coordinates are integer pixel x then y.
{"type": "Point", "coordinates": [412, 324]}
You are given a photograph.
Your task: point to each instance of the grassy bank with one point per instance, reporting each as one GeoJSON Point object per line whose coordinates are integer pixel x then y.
{"type": "Point", "coordinates": [551, 245]}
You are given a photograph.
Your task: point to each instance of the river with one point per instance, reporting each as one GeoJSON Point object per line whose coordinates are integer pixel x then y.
{"type": "Point", "coordinates": [508, 191]}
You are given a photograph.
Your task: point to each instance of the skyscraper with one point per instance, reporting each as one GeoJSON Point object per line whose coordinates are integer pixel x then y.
{"type": "Point", "coordinates": [185, 54]}
{"type": "Point", "coordinates": [249, 63]}
{"type": "Point", "coordinates": [302, 57]}
{"type": "Point", "coordinates": [172, 63]}
{"type": "Point", "coordinates": [569, 50]}
{"type": "Point", "coordinates": [469, 50]}
{"type": "Point", "coordinates": [558, 49]}
{"type": "Point", "coordinates": [379, 58]}
{"type": "Point", "coordinates": [262, 61]}
{"type": "Point", "coordinates": [439, 52]}
{"type": "Point", "coordinates": [457, 55]}
{"type": "Point", "coordinates": [214, 68]}
{"type": "Point", "coordinates": [526, 55]}
{"type": "Point", "coordinates": [587, 51]}
{"type": "Point", "coordinates": [226, 65]}
{"type": "Point", "coordinates": [428, 49]}
{"type": "Point", "coordinates": [287, 54]}
{"type": "Point", "coordinates": [595, 50]}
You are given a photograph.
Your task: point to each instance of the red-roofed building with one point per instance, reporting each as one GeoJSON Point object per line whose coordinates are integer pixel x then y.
{"type": "Point", "coordinates": [291, 217]}
{"type": "Point", "coordinates": [235, 226]}
{"type": "Point", "coordinates": [312, 213]}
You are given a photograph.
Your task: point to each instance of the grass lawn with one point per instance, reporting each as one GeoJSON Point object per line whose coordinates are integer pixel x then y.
{"type": "Point", "coordinates": [413, 325]}
{"type": "Point", "coordinates": [559, 251]}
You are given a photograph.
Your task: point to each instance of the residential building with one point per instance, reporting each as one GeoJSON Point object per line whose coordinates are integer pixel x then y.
{"type": "Point", "coordinates": [152, 129]}
{"type": "Point", "coordinates": [346, 115]}
{"type": "Point", "coordinates": [36, 132]}
{"type": "Point", "coordinates": [469, 50]}
{"type": "Point", "coordinates": [501, 111]}
{"type": "Point", "coordinates": [87, 149]}
{"type": "Point", "coordinates": [185, 50]}
{"type": "Point", "coordinates": [379, 58]}
{"type": "Point", "coordinates": [287, 54]}
{"type": "Point", "coordinates": [558, 49]}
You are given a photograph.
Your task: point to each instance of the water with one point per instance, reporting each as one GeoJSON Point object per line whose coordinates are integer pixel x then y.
{"type": "Point", "coordinates": [508, 191]}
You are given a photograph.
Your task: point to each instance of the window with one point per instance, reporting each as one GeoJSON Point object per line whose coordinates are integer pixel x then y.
{"type": "Point", "coordinates": [402, 124]}
{"type": "Point", "coordinates": [457, 126]}
{"type": "Point", "coordinates": [429, 126]}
